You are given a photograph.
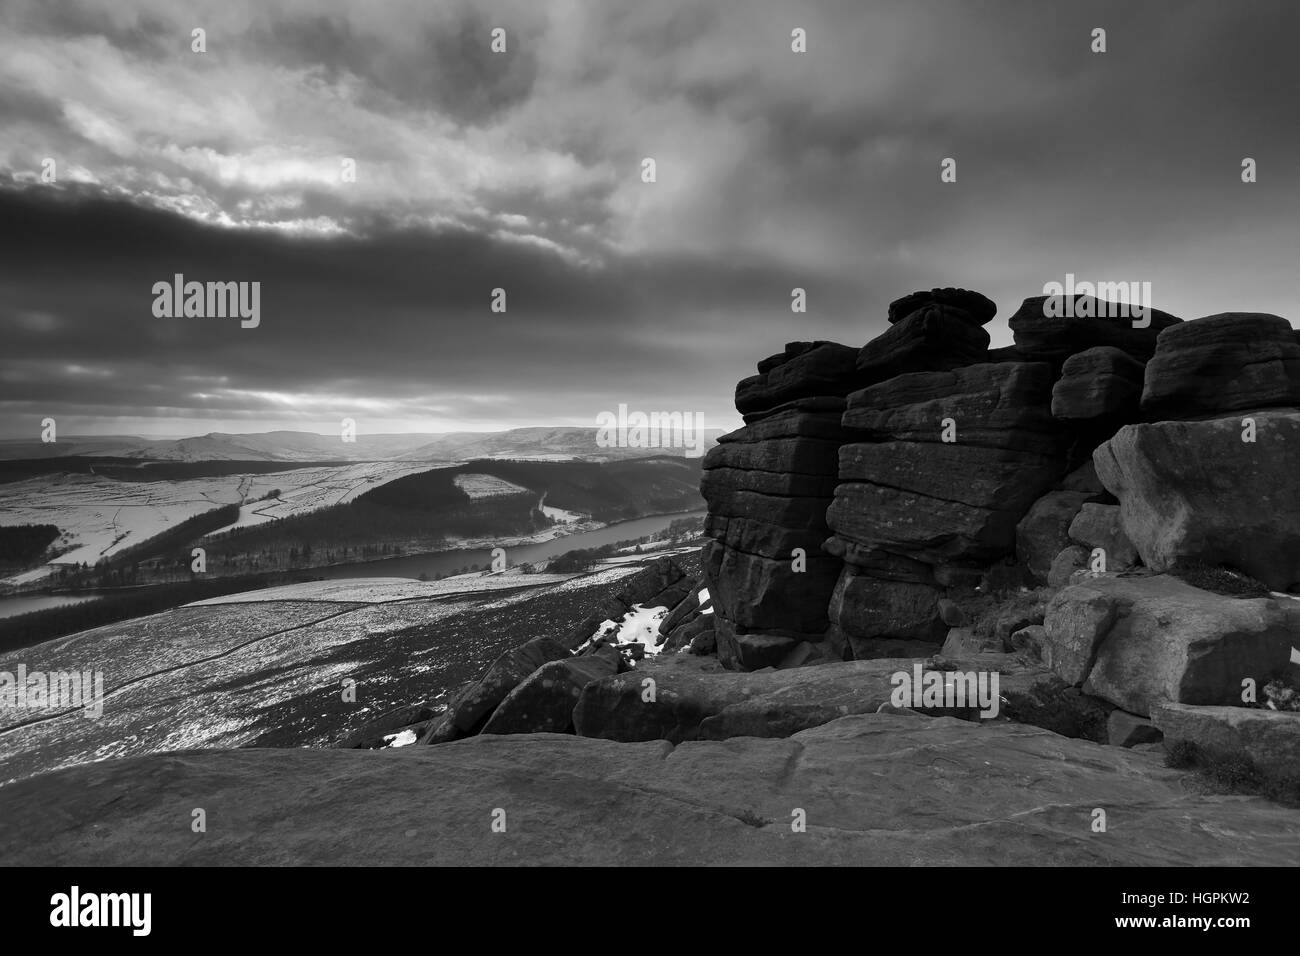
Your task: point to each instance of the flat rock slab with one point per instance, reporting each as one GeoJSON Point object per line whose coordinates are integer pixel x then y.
{"type": "Point", "coordinates": [876, 790]}
{"type": "Point", "coordinates": [694, 698]}
{"type": "Point", "coordinates": [1270, 738]}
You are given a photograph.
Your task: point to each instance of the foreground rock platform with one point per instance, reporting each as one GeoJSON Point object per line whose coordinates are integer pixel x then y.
{"type": "Point", "coordinates": [877, 789]}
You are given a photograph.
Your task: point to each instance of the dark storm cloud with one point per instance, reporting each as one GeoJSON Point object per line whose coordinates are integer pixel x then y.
{"type": "Point", "coordinates": [402, 318]}
{"type": "Point", "coordinates": [776, 170]}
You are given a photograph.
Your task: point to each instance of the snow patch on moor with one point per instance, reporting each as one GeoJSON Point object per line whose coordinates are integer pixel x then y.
{"type": "Point", "coordinates": [638, 626]}
{"type": "Point", "coordinates": [488, 486]}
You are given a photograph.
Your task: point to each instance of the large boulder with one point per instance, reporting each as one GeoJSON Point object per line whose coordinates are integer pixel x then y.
{"type": "Point", "coordinates": [1139, 640]}
{"type": "Point", "coordinates": [1076, 622]}
{"type": "Point", "coordinates": [685, 698]}
{"type": "Point", "coordinates": [688, 698]}
{"type": "Point", "coordinates": [1043, 330]}
{"type": "Point", "coordinates": [1196, 492]}
{"type": "Point", "coordinates": [1223, 363]}
{"type": "Point", "coordinates": [972, 306]}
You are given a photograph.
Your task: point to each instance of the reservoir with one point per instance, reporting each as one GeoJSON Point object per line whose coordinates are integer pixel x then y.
{"type": "Point", "coordinates": [23, 604]}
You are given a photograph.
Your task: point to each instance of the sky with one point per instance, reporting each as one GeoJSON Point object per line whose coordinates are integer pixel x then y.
{"type": "Point", "coordinates": [522, 170]}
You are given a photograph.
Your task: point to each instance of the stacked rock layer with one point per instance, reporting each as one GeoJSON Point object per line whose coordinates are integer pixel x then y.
{"type": "Point", "coordinates": [870, 484]}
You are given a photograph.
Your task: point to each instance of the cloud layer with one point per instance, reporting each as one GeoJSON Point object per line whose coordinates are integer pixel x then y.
{"type": "Point", "coordinates": [477, 170]}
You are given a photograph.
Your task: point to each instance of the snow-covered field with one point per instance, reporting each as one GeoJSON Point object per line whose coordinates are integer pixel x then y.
{"type": "Point", "coordinates": [660, 549]}
{"type": "Point", "coordinates": [308, 489]}
{"type": "Point", "coordinates": [487, 486]}
{"type": "Point", "coordinates": [560, 516]}
{"type": "Point", "coordinates": [385, 590]}
{"type": "Point", "coordinates": [229, 672]}
{"type": "Point", "coordinates": [101, 517]}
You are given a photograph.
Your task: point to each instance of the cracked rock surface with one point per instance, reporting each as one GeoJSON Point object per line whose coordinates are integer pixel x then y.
{"type": "Point", "coordinates": [878, 789]}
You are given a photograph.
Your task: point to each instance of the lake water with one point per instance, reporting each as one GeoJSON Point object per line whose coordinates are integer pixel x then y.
{"type": "Point", "coordinates": [448, 562]}
{"type": "Point", "coordinates": [13, 606]}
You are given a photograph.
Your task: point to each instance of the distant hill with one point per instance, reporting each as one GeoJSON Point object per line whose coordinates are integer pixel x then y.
{"type": "Point", "coordinates": [538, 442]}
{"type": "Point", "coordinates": [430, 511]}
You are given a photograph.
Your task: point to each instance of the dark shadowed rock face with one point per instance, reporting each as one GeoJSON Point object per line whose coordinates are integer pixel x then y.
{"type": "Point", "coordinates": [1195, 491]}
{"type": "Point", "coordinates": [996, 405]}
{"type": "Point", "coordinates": [1084, 478]}
{"type": "Point", "coordinates": [757, 592]}
{"type": "Point", "coordinates": [1055, 337]}
{"type": "Point", "coordinates": [1007, 353]}
{"type": "Point", "coordinates": [803, 370]}
{"type": "Point", "coordinates": [750, 649]}
{"type": "Point", "coordinates": [973, 306]}
{"type": "Point", "coordinates": [950, 463]}
{"type": "Point", "coordinates": [1043, 533]}
{"type": "Point", "coordinates": [1099, 383]}
{"type": "Point", "coordinates": [870, 608]}
{"type": "Point", "coordinates": [1223, 363]}
{"type": "Point", "coordinates": [814, 403]}
{"type": "Point", "coordinates": [768, 486]}
{"type": "Point", "coordinates": [934, 338]}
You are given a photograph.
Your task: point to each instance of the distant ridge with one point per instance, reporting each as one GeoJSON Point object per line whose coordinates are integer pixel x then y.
{"type": "Point", "coordinates": [294, 446]}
